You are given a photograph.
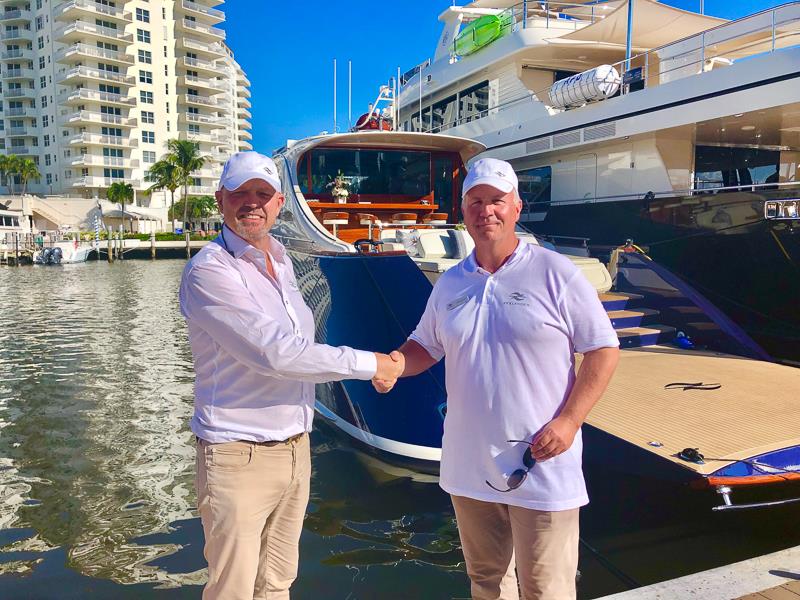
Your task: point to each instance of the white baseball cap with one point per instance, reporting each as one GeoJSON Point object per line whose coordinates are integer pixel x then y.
{"type": "Point", "coordinates": [244, 166]}
{"type": "Point", "coordinates": [490, 171]}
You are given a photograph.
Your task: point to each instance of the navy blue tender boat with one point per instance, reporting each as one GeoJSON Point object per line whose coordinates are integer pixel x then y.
{"type": "Point", "coordinates": [370, 223]}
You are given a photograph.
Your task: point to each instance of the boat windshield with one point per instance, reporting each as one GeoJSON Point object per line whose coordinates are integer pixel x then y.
{"type": "Point", "coordinates": [406, 175]}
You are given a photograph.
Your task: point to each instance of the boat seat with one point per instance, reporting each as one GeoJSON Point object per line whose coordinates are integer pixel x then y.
{"type": "Point", "coordinates": [404, 219]}
{"type": "Point", "coordinates": [370, 221]}
{"type": "Point", "coordinates": [435, 219]}
{"type": "Point", "coordinates": [335, 219]}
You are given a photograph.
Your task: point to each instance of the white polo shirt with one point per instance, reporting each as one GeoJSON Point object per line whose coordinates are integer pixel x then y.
{"type": "Point", "coordinates": [508, 339]}
{"type": "Point", "coordinates": [252, 341]}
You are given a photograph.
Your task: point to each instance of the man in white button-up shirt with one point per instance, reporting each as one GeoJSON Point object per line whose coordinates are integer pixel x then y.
{"type": "Point", "coordinates": [508, 320]}
{"type": "Point", "coordinates": [256, 363]}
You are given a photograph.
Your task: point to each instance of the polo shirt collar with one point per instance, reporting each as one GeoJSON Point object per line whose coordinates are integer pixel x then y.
{"type": "Point", "coordinates": [471, 263]}
{"type": "Point", "coordinates": [239, 246]}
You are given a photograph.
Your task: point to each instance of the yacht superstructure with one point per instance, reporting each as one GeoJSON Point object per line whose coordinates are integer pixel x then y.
{"type": "Point", "coordinates": [688, 144]}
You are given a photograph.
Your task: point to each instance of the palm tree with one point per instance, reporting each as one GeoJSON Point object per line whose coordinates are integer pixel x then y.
{"type": "Point", "coordinates": [164, 175]}
{"type": "Point", "coordinates": [11, 167]}
{"type": "Point", "coordinates": [6, 163]}
{"type": "Point", "coordinates": [185, 155]}
{"type": "Point", "coordinates": [27, 170]}
{"type": "Point", "coordinates": [120, 192]}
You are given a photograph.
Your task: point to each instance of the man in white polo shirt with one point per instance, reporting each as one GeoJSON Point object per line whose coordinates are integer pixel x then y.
{"type": "Point", "coordinates": [508, 320]}
{"type": "Point", "coordinates": [252, 339]}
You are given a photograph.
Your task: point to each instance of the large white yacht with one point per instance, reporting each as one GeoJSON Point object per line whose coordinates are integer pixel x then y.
{"type": "Point", "coordinates": [678, 130]}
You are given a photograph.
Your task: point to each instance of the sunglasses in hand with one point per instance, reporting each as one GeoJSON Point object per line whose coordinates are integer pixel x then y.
{"type": "Point", "coordinates": [517, 478]}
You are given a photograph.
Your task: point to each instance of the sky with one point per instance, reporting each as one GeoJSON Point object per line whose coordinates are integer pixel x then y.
{"type": "Point", "coordinates": [287, 50]}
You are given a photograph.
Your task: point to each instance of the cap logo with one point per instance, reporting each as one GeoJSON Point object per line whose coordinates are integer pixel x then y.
{"type": "Point", "coordinates": [268, 170]}
{"type": "Point", "coordinates": [499, 173]}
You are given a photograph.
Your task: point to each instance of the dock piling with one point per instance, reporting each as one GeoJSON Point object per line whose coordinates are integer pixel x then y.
{"type": "Point", "coordinates": [110, 240]}
{"type": "Point", "coordinates": [153, 245]}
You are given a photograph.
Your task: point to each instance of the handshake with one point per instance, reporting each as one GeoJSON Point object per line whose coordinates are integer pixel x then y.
{"type": "Point", "coordinates": [390, 367]}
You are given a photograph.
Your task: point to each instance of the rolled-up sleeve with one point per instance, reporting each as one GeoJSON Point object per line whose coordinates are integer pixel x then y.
{"type": "Point", "coordinates": [214, 298]}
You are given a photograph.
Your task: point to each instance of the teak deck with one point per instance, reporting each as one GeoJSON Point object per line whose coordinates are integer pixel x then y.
{"type": "Point", "coordinates": [756, 410]}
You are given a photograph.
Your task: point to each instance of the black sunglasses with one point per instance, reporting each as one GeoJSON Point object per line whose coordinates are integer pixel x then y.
{"type": "Point", "coordinates": [518, 477]}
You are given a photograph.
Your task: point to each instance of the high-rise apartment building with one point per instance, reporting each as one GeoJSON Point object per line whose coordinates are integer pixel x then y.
{"type": "Point", "coordinates": [93, 89]}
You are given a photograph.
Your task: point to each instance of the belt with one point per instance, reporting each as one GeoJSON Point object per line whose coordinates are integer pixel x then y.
{"type": "Point", "coordinates": [287, 441]}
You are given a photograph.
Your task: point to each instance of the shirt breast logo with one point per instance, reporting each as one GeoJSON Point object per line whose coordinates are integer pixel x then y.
{"type": "Point", "coordinates": [460, 301]}
{"type": "Point", "coordinates": [517, 299]}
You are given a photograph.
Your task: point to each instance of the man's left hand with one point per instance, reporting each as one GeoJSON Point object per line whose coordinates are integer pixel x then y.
{"type": "Point", "coordinates": [554, 438]}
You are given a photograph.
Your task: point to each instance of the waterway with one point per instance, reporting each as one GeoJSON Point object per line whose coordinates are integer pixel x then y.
{"type": "Point", "coordinates": [96, 470]}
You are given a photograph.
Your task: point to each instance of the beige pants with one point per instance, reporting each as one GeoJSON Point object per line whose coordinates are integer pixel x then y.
{"type": "Point", "coordinates": [252, 499]}
{"type": "Point", "coordinates": [545, 545]}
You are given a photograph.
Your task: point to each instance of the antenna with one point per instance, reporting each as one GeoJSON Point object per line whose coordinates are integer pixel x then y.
{"type": "Point", "coordinates": [334, 95]}
{"type": "Point", "coordinates": [349, 94]}
{"type": "Point", "coordinates": [397, 103]}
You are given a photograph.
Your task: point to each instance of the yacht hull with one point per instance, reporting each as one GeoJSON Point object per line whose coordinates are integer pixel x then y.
{"type": "Point", "coordinates": [720, 244]}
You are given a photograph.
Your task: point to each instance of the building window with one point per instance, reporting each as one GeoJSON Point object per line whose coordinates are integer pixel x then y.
{"type": "Point", "coordinates": [41, 62]}
{"type": "Point", "coordinates": [40, 42]}
{"type": "Point", "coordinates": [143, 36]}
{"type": "Point", "coordinates": [114, 173]}
{"type": "Point", "coordinates": [45, 121]}
{"type": "Point", "coordinates": [145, 76]}
{"type": "Point", "coordinates": [146, 97]}
{"type": "Point", "coordinates": [149, 137]}
{"type": "Point", "coordinates": [43, 81]}
{"type": "Point", "coordinates": [39, 23]}
{"type": "Point", "coordinates": [148, 117]}
{"type": "Point", "coordinates": [143, 15]}
{"type": "Point", "coordinates": [47, 160]}
{"type": "Point", "coordinates": [146, 57]}
{"type": "Point", "coordinates": [44, 101]}
{"type": "Point", "coordinates": [148, 156]}
{"type": "Point", "coordinates": [47, 140]}
{"type": "Point", "coordinates": [48, 178]}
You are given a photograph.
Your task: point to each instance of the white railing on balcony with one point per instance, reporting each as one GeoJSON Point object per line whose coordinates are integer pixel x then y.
{"type": "Point", "coordinates": [89, 72]}
{"type": "Point", "coordinates": [102, 182]}
{"type": "Point", "coordinates": [98, 138]}
{"type": "Point", "coordinates": [20, 150]}
{"type": "Point", "coordinates": [198, 190]}
{"type": "Point", "coordinates": [87, 50]}
{"type": "Point", "coordinates": [200, 28]}
{"type": "Point", "coordinates": [198, 45]}
{"type": "Point", "coordinates": [85, 94]}
{"type": "Point", "coordinates": [19, 93]}
{"type": "Point", "coordinates": [19, 74]}
{"type": "Point", "coordinates": [93, 29]}
{"type": "Point", "coordinates": [103, 9]}
{"type": "Point", "coordinates": [197, 99]}
{"type": "Point", "coordinates": [19, 112]}
{"type": "Point", "coordinates": [198, 63]}
{"type": "Point", "coordinates": [104, 161]}
{"type": "Point", "coordinates": [211, 12]}
{"type": "Point", "coordinates": [20, 131]}
{"type": "Point", "coordinates": [96, 117]}
{"type": "Point", "coordinates": [205, 81]}
{"type": "Point", "coordinates": [204, 119]}
{"type": "Point", "coordinates": [16, 13]}
{"type": "Point", "coordinates": [16, 34]}
{"type": "Point", "coordinates": [17, 53]}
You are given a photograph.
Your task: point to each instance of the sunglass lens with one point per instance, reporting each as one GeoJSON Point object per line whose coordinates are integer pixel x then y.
{"type": "Point", "coordinates": [527, 458]}
{"type": "Point", "coordinates": [516, 478]}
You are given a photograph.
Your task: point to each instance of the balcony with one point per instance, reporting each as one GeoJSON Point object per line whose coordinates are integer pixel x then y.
{"type": "Point", "coordinates": [204, 12]}
{"type": "Point", "coordinates": [89, 117]}
{"type": "Point", "coordinates": [84, 95]}
{"type": "Point", "coordinates": [103, 140]}
{"type": "Point", "coordinates": [81, 73]}
{"type": "Point", "coordinates": [77, 9]}
{"type": "Point", "coordinates": [78, 52]}
{"type": "Point", "coordinates": [21, 132]}
{"type": "Point", "coordinates": [207, 120]}
{"type": "Point", "coordinates": [242, 91]}
{"type": "Point", "coordinates": [199, 29]}
{"type": "Point", "coordinates": [17, 54]}
{"type": "Point", "coordinates": [201, 190]}
{"type": "Point", "coordinates": [244, 145]}
{"type": "Point", "coordinates": [22, 111]}
{"type": "Point", "coordinates": [244, 134]}
{"type": "Point", "coordinates": [197, 100]}
{"type": "Point", "coordinates": [195, 45]}
{"type": "Point", "coordinates": [19, 74]}
{"type": "Point", "coordinates": [19, 93]}
{"type": "Point", "coordinates": [241, 79]}
{"type": "Point", "coordinates": [17, 35]}
{"type": "Point", "coordinates": [197, 64]}
{"type": "Point", "coordinates": [243, 113]}
{"type": "Point", "coordinates": [215, 86]}
{"type": "Point", "coordinates": [95, 160]}
{"type": "Point", "coordinates": [243, 102]}
{"type": "Point", "coordinates": [16, 14]}
{"type": "Point", "coordinates": [213, 173]}
{"type": "Point", "coordinates": [102, 182]}
{"type": "Point", "coordinates": [21, 150]}
{"type": "Point", "coordinates": [79, 30]}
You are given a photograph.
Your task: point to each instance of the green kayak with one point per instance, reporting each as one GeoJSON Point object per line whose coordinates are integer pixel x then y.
{"type": "Point", "coordinates": [479, 33]}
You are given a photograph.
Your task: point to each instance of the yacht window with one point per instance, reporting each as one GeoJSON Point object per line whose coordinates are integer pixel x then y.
{"type": "Point", "coordinates": [443, 185]}
{"type": "Point", "coordinates": [717, 167]}
{"type": "Point", "coordinates": [368, 172]}
{"type": "Point", "coordinates": [534, 188]}
{"type": "Point", "coordinates": [444, 114]}
{"type": "Point", "coordinates": [473, 103]}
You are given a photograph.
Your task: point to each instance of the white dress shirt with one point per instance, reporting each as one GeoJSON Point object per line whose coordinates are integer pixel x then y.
{"type": "Point", "coordinates": [252, 340]}
{"type": "Point", "coordinates": [509, 340]}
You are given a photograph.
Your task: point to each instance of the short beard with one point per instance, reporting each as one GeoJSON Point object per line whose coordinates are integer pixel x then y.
{"type": "Point", "coordinates": [249, 235]}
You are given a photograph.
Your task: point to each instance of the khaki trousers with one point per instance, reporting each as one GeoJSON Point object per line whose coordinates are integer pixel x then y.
{"type": "Point", "coordinates": [545, 545]}
{"type": "Point", "coordinates": [252, 499]}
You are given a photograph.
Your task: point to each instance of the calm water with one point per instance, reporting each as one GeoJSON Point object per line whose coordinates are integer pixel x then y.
{"type": "Point", "coordinates": [96, 470]}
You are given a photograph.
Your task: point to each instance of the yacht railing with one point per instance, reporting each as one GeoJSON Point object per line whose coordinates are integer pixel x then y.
{"type": "Point", "coordinates": [758, 34]}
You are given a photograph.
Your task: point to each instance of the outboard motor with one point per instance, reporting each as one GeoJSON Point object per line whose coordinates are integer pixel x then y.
{"type": "Point", "coordinates": [55, 256]}
{"type": "Point", "coordinates": [44, 256]}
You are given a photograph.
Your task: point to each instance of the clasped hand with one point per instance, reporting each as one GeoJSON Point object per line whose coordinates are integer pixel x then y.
{"type": "Point", "coordinates": [390, 367]}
